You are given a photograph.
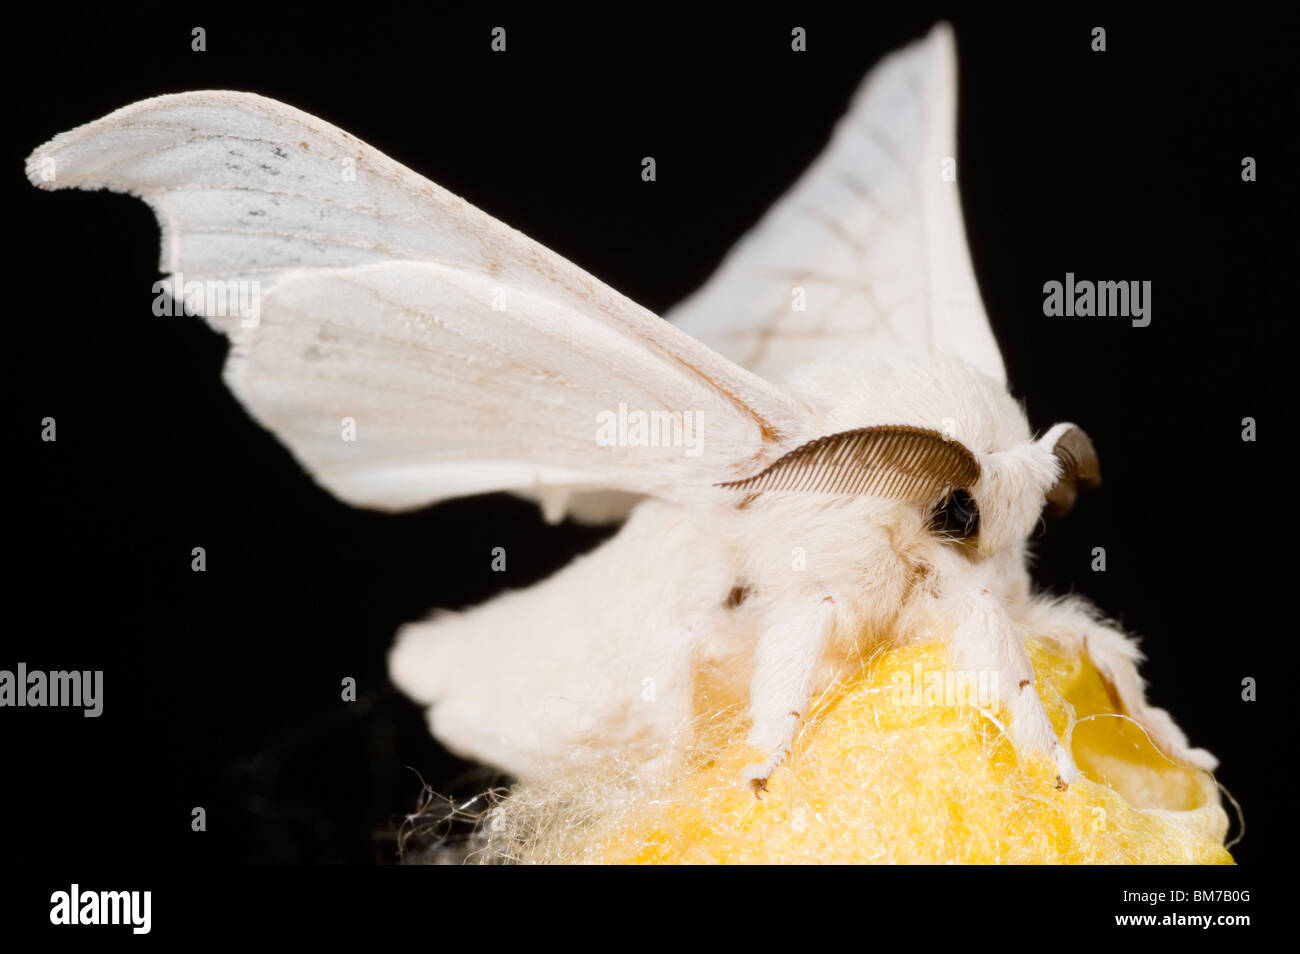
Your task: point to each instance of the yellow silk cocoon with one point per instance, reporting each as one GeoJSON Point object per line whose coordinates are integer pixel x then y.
{"type": "Point", "coordinates": [888, 770]}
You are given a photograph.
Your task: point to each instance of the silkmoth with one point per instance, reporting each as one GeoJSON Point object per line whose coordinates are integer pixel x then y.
{"type": "Point", "coordinates": [816, 452]}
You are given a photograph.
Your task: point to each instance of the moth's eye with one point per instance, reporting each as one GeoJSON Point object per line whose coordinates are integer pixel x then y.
{"type": "Point", "coordinates": [957, 518]}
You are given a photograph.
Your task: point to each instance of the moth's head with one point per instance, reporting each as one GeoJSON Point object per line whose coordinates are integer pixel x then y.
{"type": "Point", "coordinates": [943, 439]}
{"type": "Point", "coordinates": [1017, 482]}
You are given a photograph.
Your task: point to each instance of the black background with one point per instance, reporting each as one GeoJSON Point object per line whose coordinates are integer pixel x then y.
{"type": "Point", "coordinates": [222, 688]}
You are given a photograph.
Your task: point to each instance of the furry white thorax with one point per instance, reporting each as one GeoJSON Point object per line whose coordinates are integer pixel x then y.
{"type": "Point", "coordinates": [943, 393]}
{"type": "Point", "coordinates": [888, 572]}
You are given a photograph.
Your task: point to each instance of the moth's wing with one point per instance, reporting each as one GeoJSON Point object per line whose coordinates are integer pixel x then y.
{"type": "Point", "coordinates": [447, 397]}
{"type": "Point", "coordinates": [465, 357]}
{"type": "Point", "coordinates": [870, 237]}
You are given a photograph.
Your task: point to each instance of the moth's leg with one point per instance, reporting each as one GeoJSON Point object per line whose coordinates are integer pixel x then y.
{"type": "Point", "coordinates": [1073, 625]}
{"type": "Point", "coordinates": [786, 658]}
{"type": "Point", "coordinates": [987, 639]}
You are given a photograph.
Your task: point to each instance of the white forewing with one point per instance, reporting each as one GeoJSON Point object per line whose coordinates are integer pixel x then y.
{"type": "Point", "coordinates": [468, 357]}
{"type": "Point", "coordinates": [451, 398]}
{"type": "Point", "coordinates": [871, 238]}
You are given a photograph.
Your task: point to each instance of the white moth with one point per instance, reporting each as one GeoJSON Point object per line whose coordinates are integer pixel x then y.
{"type": "Point", "coordinates": [818, 452]}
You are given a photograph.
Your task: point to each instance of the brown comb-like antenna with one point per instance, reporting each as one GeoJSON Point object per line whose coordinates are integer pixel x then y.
{"type": "Point", "coordinates": [891, 460]}
{"type": "Point", "coordinates": [1080, 470]}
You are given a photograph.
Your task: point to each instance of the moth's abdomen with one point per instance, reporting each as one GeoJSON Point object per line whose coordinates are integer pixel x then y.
{"type": "Point", "coordinates": [596, 658]}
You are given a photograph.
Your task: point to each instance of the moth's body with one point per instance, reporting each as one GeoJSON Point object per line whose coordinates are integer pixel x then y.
{"type": "Point", "coordinates": [781, 592]}
{"type": "Point", "coordinates": [853, 401]}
